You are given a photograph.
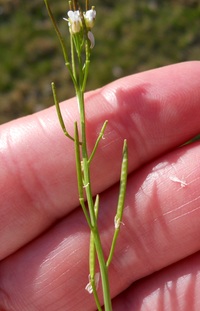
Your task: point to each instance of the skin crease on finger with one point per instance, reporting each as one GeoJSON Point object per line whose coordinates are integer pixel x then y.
{"type": "Point", "coordinates": [161, 226]}
{"type": "Point", "coordinates": [175, 288]}
{"type": "Point", "coordinates": [20, 272]}
{"type": "Point", "coordinates": [38, 182]}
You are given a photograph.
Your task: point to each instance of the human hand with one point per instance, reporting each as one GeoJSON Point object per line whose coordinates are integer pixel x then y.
{"type": "Point", "coordinates": [43, 234]}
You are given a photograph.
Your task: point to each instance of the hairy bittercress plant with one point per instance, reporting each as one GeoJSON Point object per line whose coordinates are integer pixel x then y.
{"type": "Point", "coordinates": [80, 23]}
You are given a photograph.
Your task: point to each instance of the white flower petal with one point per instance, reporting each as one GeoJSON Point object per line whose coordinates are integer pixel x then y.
{"type": "Point", "coordinates": [90, 14]}
{"type": "Point", "coordinates": [88, 287]}
{"type": "Point", "coordinates": [91, 38]}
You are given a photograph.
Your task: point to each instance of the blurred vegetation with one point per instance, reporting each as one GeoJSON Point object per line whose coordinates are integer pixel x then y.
{"type": "Point", "coordinates": [131, 36]}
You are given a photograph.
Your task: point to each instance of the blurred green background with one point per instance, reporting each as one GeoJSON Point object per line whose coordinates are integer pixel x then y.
{"type": "Point", "coordinates": [131, 36]}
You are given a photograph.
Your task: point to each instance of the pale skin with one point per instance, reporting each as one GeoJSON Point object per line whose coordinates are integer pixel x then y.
{"type": "Point", "coordinates": [43, 234]}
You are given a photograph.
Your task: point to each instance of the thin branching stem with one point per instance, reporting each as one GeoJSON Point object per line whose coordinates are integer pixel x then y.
{"type": "Point", "coordinates": [79, 174]}
{"type": "Point", "coordinates": [88, 190]}
{"type": "Point", "coordinates": [92, 246]}
{"type": "Point", "coordinates": [62, 42]}
{"type": "Point", "coordinates": [81, 42]}
{"type": "Point", "coordinates": [86, 66]}
{"type": "Point", "coordinates": [92, 260]}
{"type": "Point", "coordinates": [121, 200]}
{"type": "Point", "coordinates": [86, 5]}
{"type": "Point", "coordinates": [59, 112]}
{"type": "Point", "coordinates": [98, 141]}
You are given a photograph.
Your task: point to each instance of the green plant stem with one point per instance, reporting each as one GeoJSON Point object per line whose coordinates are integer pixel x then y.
{"type": "Point", "coordinates": [92, 271]}
{"type": "Point", "coordinates": [62, 43]}
{"type": "Point", "coordinates": [97, 141]}
{"type": "Point", "coordinates": [78, 69]}
{"type": "Point", "coordinates": [88, 190]}
{"type": "Point", "coordinates": [121, 200]}
{"type": "Point", "coordinates": [60, 118]}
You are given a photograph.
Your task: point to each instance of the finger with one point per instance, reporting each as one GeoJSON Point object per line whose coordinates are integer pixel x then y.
{"type": "Point", "coordinates": [161, 226]}
{"type": "Point", "coordinates": [38, 181]}
{"type": "Point", "coordinates": [175, 287]}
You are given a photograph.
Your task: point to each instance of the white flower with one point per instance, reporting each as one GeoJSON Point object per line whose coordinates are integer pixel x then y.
{"type": "Point", "coordinates": [90, 18]}
{"type": "Point", "coordinates": [74, 21]}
